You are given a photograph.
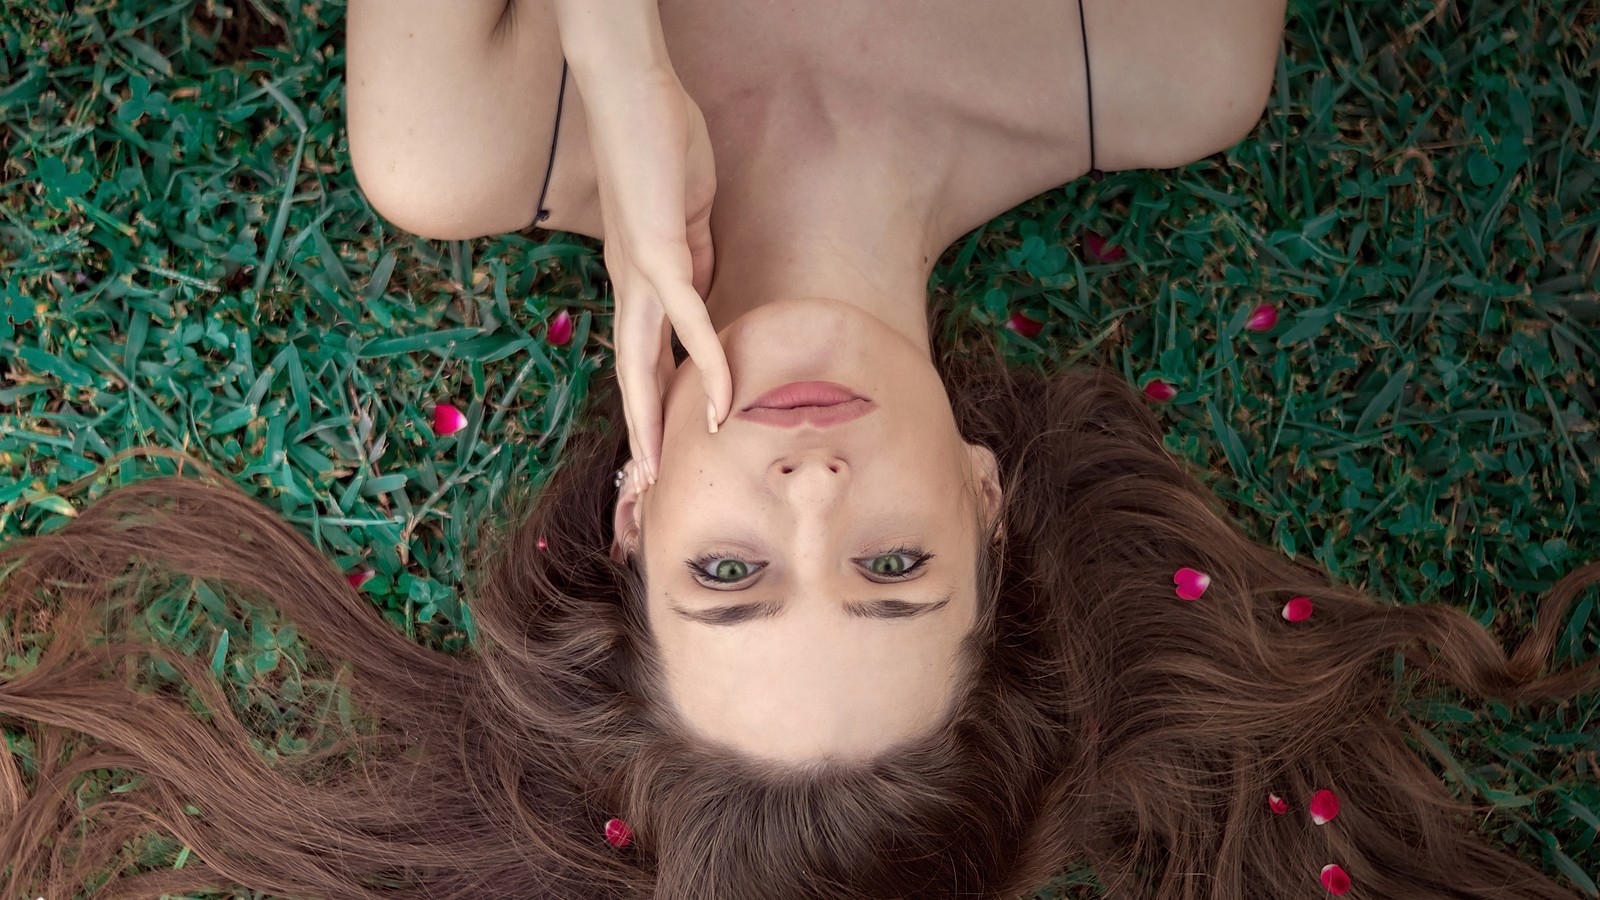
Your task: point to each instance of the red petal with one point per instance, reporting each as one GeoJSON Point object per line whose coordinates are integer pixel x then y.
{"type": "Point", "coordinates": [618, 833]}
{"type": "Point", "coordinates": [1099, 250]}
{"type": "Point", "coordinates": [1023, 325]}
{"type": "Point", "coordinates": [560, 330]}
{"type": "Point", "coordinates": [1159, 390]}
{"type": "Point", "coordinates": [1263, 318]}
{"type": "Point", "coordinates": [1335, 879]}
{"type": "Point", "coordinates": [1298, 609]}
{"type": "Point", "coordinates": [1278, 804]}
{"type": "Point", "coordinates": [357, 579]}
{"type": "Point", "coordinates": [1191, 583]}
{"type": "Point", "coordinates": [1324, 806]}
{"type": "Point", "coordinates": [447, 420]}
{"type": "Point", "coordinates": [542, 545]}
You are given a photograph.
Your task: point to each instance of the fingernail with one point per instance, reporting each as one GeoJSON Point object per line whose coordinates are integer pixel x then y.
{"type": "Point", "coordinates": [711, 416]}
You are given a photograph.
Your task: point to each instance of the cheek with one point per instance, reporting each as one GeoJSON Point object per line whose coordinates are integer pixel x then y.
{"type": "Point", "coordinates": [683, 405]}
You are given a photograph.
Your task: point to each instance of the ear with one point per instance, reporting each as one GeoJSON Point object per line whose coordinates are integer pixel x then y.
{"type": "Point", "coordinates": [625, 520]}
{"type": "Point", "coordinates": [986, 484]}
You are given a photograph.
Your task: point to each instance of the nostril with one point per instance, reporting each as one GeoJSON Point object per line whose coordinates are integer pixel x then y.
{"type": "Point", "coordinates": [788, 469]}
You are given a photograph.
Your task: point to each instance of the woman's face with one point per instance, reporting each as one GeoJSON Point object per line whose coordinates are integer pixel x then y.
{"type": "Point", "coordinates": [820, 525]}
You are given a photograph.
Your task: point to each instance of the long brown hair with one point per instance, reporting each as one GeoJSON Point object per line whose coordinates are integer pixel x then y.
{"type": "Point", "coordinates": [1102, 720]}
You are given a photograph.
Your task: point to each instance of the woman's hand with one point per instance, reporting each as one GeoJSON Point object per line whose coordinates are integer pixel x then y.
{"type": "Point", "coordinates": [657, 180]}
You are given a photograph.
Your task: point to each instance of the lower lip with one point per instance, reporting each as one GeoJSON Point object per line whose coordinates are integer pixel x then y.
{"type": "Point", "coordinates": [805, 393]}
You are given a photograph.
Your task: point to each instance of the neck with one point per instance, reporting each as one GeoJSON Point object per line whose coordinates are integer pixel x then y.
{"type": "Point", "coordinates": [786, 227]}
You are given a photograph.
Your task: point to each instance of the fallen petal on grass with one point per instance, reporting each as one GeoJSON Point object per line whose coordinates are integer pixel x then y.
{"type": "Point", "coordinates": [447, 420]}
{"type": "Point", "coordinates": [560, 329]}
{"type": "Point", "coordinates": [1099, 250]}
{"type": "Point", "coordinates": [1023, 325]}
{"type": "Point", "coordinates": [1160, 391]}
{"type": "Point", "coordinates": [1263, 318]}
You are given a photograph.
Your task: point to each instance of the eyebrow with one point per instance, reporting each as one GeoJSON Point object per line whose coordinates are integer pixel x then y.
{"type": "Point", "coordinates": [880, 608]}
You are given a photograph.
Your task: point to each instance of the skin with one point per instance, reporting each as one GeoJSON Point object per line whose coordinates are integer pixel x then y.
{"type": "Point", "coordinates": [823, 278]}
{"type": "Point", "coordinates": [853, 144]}
{"type": "Point", "coordinates": [821, 507]}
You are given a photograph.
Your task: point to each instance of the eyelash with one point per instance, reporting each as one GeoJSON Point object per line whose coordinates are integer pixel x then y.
{"type": "Point", "coordinates": [697, 566]}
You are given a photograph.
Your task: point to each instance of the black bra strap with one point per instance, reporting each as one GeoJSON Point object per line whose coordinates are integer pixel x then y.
{"type": "Point", "coordinates": [555, 133]}
{"type": "Point", "coordinates": [1088, 82]}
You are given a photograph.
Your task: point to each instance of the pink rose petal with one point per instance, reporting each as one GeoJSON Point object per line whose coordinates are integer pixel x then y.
{"type": "Point", "coordinates": [618, 833]}
{"type": "Point", "coordinates": [1324, 806]}
{"type": "Point", "coordinates": [447, 420]}
{"type": "Point", "coordinates": [1262, 318]}
{"type": "Point", "coordinates": [1023, 325]}
{"type": "Point", "coordinates": [1099, 250]}
{"type": "Point", "coordinates": [1191, 583]}
{"type": "Point", "coordinates": [542, 544]}
{"type": "Point", "coordinates": [1298, 609]}
{"type": "Point", "coordinates": [357, 579]}
{"type": "Point", "coordinates": [1159, 390]}
{"type": "Point", "coordinates": [1278, 804]}
{"type": "Point", "coordinates": [1335, 879]}
{"type": "Point", "coordinates": [560, 329]}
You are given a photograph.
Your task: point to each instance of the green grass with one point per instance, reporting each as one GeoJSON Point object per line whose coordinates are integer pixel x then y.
{"type": "Point", "coordinates": [188, 263]}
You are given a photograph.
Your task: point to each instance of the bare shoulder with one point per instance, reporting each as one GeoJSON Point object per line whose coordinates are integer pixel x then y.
{"type": "Point", "coordinates": [1177, 81]}
{"type": "Point", "coordinates": [1172, 81]}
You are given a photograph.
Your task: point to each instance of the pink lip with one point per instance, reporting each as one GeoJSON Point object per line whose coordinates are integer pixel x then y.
{"type": "Point", "coordinates": [805, 393]}
{"type": "Point", "coordinates": [817, 403]}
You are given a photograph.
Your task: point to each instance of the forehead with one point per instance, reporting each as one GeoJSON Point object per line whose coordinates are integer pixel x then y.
{"type": "Point", "coordinates": [812, 682]}
{"type": "Point", "coordinates": [810, 686]}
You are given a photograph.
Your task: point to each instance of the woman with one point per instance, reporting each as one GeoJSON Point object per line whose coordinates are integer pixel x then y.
{"type": "Point", "coordinates": [1053, 701]}
{"type": "Point", "coordinates": [829, 216]}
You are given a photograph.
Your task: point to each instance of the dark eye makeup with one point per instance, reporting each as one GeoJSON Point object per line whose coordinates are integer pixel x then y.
{"type": "Point", "coordinates": [725, 577]}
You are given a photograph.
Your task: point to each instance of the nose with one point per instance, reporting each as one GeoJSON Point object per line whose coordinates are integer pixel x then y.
{"type": "Point", "coordinates": [817, 475]}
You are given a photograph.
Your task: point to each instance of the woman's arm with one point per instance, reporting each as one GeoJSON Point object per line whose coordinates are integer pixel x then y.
{"type": "Point", "coordinates": [445, 112]}
{"type": "Point", "coordinates": [611, 36]}
{"type": "Point", "coordinates": [656, 180]}
{"type": "Point", "coordinates": [448, 122]}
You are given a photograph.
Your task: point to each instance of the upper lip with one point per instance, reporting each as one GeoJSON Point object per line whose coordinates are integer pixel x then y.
{"type": "Point", "coordinates": [817, 403]}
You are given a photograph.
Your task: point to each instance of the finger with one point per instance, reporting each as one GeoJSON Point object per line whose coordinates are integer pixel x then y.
{"type": "Point", "coordinates": [695, 331]}
{"type": "Point", "coordinates": [627, 416]}
{"type": "Point", "coordinates": [666, 364]}
{"type": "Point", "coordinates": [665, 368]}
{"type": "Point", "coordinates": [701, 254]}
{"type": "Point", "coordinates": [638, 354]}
{"type": "Point", "coordinates": [620, 347]}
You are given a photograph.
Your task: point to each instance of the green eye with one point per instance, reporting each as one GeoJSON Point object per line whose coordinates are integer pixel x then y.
{"type": "Point", "coordinates": [726, 569]}
{"type": "Point", "coordinates": [893, 565]}
{"type": "Point", "coordinates": [721, 568]}
{"type": "Point", "coordinates": [896, 564]}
